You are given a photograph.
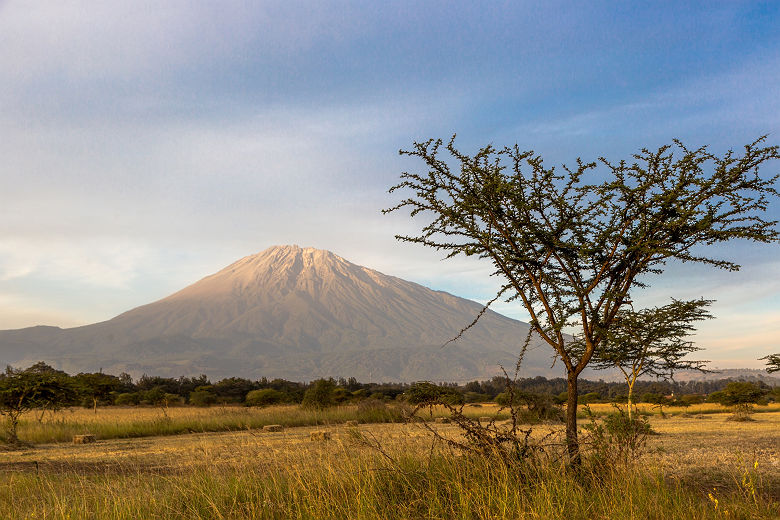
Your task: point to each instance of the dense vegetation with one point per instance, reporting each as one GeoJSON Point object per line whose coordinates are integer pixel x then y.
{"type": "Point", "coordinates": [44, 388]}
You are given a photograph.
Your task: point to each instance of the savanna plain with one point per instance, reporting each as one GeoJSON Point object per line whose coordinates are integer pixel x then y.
{"type": "Point", "coordinates": [219, 462]}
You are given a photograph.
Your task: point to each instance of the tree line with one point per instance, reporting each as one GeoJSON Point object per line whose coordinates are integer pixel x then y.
{"type": "Point", "coordinates": [42, 388]}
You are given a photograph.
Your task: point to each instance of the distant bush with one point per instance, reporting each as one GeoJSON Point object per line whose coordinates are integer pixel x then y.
{"type": "Point", "coordinates": [561, 398]}
{"type": "Point", "coordinates": [127, 398]}
{"type": "Point", "coordinates": [591, 397]}
{"type": "Point", "coordinates": [360, 394]}
{"type": "Point", "coordinates": [690, 399]}
{"type": "Point", "coordinates": [202, 397]}
{"type": "Point", "coordinates": [740, 396]}
{"type": "Point", "coordinates": [173, 400]}
{"type": "Point", "coordinates": [320, 394]}
{"type": "Point", "coordinates": [476, 397]}
{"type": "Point", "coordinates": [377, 411]}
{"type": "Point", "coordinates": [265, 397]}
{"type": "Point", "coordinates": [426, 392]}
{"type": "Point", "coordinates": [341, 395]}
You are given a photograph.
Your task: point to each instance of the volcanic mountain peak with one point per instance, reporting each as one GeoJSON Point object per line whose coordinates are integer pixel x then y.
{"type": "Point", "coordinates": [280, 270]}
{"type": "Point", "coordinates": [290, 312]}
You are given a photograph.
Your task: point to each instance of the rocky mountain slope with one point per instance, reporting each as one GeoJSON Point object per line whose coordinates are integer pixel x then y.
{"type": "Point", "coordinates": [293, 313]}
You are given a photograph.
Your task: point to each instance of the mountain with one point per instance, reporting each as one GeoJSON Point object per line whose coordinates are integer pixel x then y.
{"type": "Point", "coordinates": [293, 313]}
{"type": "Point", "coordinates": [737, 374]}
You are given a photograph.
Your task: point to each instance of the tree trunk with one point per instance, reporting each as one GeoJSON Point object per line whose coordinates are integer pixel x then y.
{"type": "Point", "coordinates": [94, 404]}
{"type": "Point", "coordinates": [13, 424]}
{"type": "Point", "coordinates": [630, 393]}
{"type": "Point", "coordinates": [572, 443]}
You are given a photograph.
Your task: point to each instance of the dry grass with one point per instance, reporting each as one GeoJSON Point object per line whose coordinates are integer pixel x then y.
{"type": "Point", "coordinates": [252, 474]}
{"type": "Point", "coordinates": [120, 422]}
{"type": "Point", "coordinates": [703, 408]}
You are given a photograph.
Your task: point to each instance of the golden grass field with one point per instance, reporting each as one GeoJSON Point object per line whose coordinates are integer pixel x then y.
{"type": "Point", "coordinates": [704, 467]}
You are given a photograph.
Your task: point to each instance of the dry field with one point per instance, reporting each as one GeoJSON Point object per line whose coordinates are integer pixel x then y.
{"type": "Point", "coordinates": [704, 467]}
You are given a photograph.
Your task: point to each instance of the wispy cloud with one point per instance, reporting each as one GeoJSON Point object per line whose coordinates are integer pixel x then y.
{"type": "Point", "coordinates": [146, 145]}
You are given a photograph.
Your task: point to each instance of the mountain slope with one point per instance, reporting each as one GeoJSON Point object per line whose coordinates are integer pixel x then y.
{"type": "Point", "coordinates": [293, 313]}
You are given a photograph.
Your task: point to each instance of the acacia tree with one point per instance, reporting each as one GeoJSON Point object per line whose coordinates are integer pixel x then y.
{"type": "Point", "coordinates": [54, 389]}
{"type": "Point", "coordinates": [741, 396]}
{"type": "Point", "coordinates": [96, 386]}
{"type": "Point", "coordinates": [651, 342]}
{"type": "Point", "coordinates": [572, 251]}
{"type": "Point", "coordinates": [23, 390]}
{"type": "Point", "coordinates": [772, 363]}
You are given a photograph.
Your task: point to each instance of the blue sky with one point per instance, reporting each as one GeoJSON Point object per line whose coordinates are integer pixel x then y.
{"type": "Point", "coordinates": [146, 144]}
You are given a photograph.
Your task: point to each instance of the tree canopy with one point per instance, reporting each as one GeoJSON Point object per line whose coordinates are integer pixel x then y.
{"type": "Point", "coordinates": [652, 342]}
{"type": "Point", "coordinates": [39, 386]}
{"type": "Point", "coordinates": [572, 245]}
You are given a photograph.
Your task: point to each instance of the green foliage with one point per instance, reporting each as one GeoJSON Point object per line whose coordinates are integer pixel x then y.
{"type": "Point", "coordinates": [39, 386]}
{"type": "Point", "coordinates": [155, 396]}
{"type": "Point", "coordinates": [96, 386]}
{"type": "Point", "coordinates": [378, 411]}
{"type": "Point", "coordinates": [320, 394]}
{"type": "Point", "coordinates": [653, 398]}
{"type": "Point", "coordinates": [619, 438]}
{"type": "Point", "coordinates": [233, 389]}
{"type": "Point", "coordinates": [651, 342]}
{"type": "Point", "coordinates": [591, 397]}
{"type": "Point", "coordinates": [55, 389]}
{"type": "Point", "coordinates": [740, 392]}
{"type": "Point", "coordinates": [427, 393]}
{"type": "Point", "coordinates": [341, 395]}
{"type": "Point", "coordinates": [625, 428]}
{"type": "Point", "coordinates": [740, 396]}
{"type": "Point", "coordinates": [360, 394]}
{"type": "Point", "coordinates": [476, 397]}
{"type": "Point", "coordinates": [202, 396]}
{"type": "Point", "coordinates": [127, 398]}
{"type": "Point", "coordinates": [691, 399]}
{"type": "Point", "coordinates": [264, 397]}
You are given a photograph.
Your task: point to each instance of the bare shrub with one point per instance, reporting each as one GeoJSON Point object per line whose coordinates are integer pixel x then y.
{"type": "Point", "coordinates": [741, 412]}
{"type": "Point", "coordinates": [620, 438]}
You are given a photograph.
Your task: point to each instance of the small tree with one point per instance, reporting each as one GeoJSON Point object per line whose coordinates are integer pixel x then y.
{"type": "Point", "coordinates": [772, 362]}
{"type": "Point", "coordinates": [23, 390]}
{"type": "Point", "coordinates": [573, 251]}
{"type": "Point", "coordinates": [320, 394]}
{"type": "Point", "coordinates": [741, 396]}
{"type": "Point", "coordinates": [96, 386]}
{"type": "Point", "coordinates": [55, 388]}
{"type": "Point", "coordinates": [425, 392]}
{"type": "Point", "coordinates": [264, 397]}
{"type": "Point", "coordinates": [203, 396]}
{"type": "Point", "coordinates": [652, 342]}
